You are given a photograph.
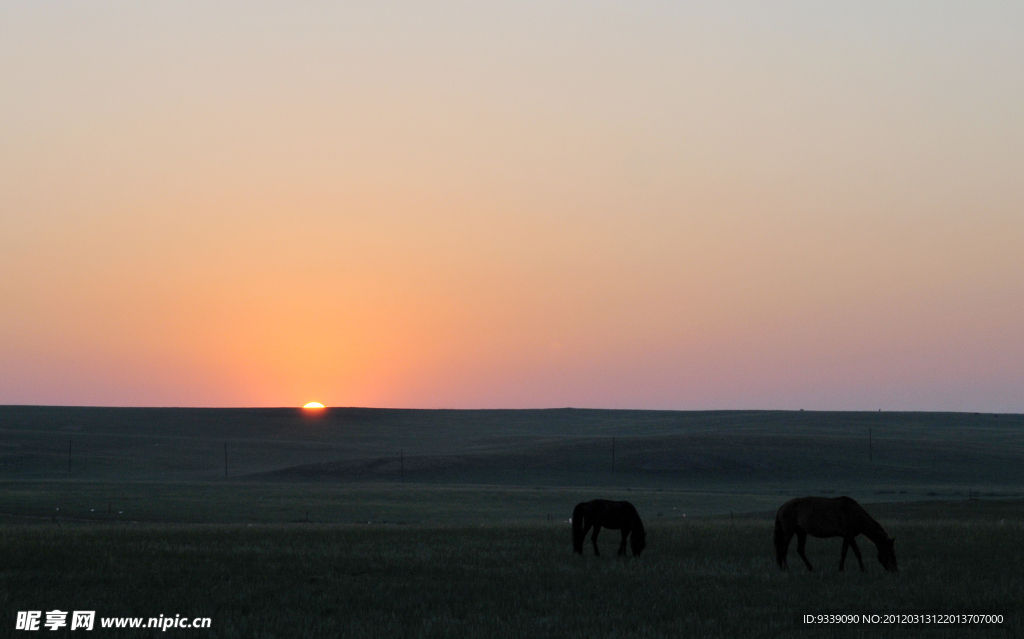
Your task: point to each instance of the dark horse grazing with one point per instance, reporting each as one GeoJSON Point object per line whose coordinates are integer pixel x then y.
{"type": "Point", "coordinates": [617, 515]}
{"type": "Point", "coordinates": [830, 517]}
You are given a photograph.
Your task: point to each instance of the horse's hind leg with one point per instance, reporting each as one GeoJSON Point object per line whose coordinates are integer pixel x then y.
{"type": "Point", "coordinates": [856, 553]}
{"type": "Point", "coordinates": [583, 535]}
{"type": "Point", "coordinates": [622, 546]}
{"type": "Point", "coordinates": [593, 540]}
{"type": "Point", "coordinates": [801, 542]}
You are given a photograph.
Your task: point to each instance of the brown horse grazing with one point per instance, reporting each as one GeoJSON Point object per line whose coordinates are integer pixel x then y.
{"type": "Point", "coordinates": [617, 515]}
{"type": "Point", "coordinates": [830, 517]}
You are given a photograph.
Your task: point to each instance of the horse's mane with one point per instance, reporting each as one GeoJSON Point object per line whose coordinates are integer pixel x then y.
{"type": "Point", "coordinates": [872, 529]}
{"type": "Point", "coordinates": [636, 517]}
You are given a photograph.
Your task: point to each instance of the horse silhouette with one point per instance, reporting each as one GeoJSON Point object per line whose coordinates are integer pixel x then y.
{"type": "Point", "coordinates": [617, 515]}
{"type": "Point", "coordinates": [830, 517]}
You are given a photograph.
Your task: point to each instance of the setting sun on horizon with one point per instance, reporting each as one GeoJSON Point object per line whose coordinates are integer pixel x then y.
{"type": "Point", "coordinates": [313, 406]}
{"type": "Point", "coordinates": [513, 205]}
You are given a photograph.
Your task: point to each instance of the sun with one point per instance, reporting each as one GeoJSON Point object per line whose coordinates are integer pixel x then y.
{"type": "Point", "coordinates": [313, 406]}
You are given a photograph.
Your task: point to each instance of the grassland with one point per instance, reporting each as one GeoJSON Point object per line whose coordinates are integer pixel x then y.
{"type": "Point", "coordinates": [910, 455]}
{"type": "Point", "coordinates": [312, 532]}
{"type": "Point", "coordinates": [703, 578]}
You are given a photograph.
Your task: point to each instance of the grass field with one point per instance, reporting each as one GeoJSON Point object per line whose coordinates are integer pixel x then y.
{"type": "Point", "coordinates": [706, 577]}
{"type": "Point", "coordinates": [313, 532]}
{"type": "Point", "coordinates": [869, 455]}
{"type": "Point", "coordinates": [251, 502]}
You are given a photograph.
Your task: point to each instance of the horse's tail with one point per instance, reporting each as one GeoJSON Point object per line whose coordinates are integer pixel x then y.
{"type": "Point", "coordinates": [780, 543]}
{"type": "Point", "coordinates": [577, 528]}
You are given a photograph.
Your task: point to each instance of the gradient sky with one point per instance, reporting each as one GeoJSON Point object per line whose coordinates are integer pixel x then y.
{"type": "Point", "coordinates": [513, 204]}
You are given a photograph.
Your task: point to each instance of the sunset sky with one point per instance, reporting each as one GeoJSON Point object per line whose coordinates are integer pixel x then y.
{"type": "Point", "coordinates": [668, 205]}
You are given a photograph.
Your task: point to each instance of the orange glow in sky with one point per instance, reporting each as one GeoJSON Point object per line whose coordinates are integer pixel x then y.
{"type": "Point", "coordinates": [636, 205]}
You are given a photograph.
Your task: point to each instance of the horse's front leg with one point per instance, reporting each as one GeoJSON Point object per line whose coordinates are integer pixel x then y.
{"type": "Point", "coordinates": [856, 553]}
{"type": "Point", "coordinates": [622, 546]}
{"type": "Point", "coordinates": [842, 556]}
{"type": "Point", "coordinates": [593, 540]}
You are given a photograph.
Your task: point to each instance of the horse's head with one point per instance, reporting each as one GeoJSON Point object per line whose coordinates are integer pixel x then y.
{"type": "Point", "coordinates": [639, 541]}
{"type": "Point", "coordinates": [887, 554]}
